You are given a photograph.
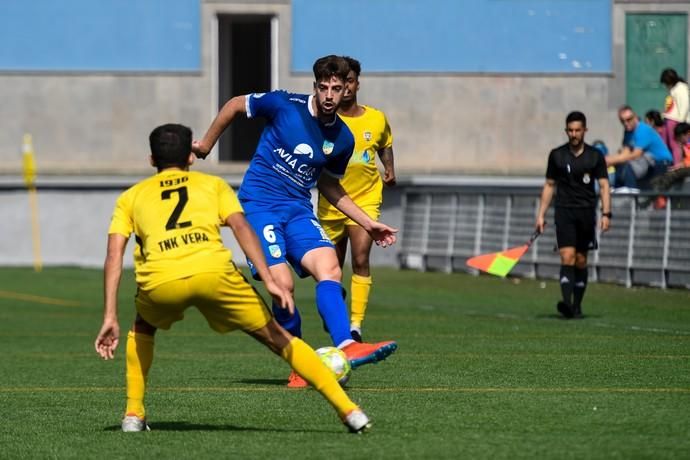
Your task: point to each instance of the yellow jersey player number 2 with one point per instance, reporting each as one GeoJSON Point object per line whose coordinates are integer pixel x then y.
{"type": "Point", "coordinates": [180, 261]}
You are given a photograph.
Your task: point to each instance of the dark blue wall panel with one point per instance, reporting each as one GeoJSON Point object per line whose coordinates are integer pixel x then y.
{"type": "Point", "coordinates": [100, 35]}
{"type": "Point", "coordinates": [505, 36]}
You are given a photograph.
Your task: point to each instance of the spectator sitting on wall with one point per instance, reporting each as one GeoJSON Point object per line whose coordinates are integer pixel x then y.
{"type": "Point", "coordinates": [643, 154]}
{"type": "Point", "coordinates": [654, 119]}
{"type": "Point", "coordinates": [611, 170]}
{"type": "Point", "coordinates": [678, 172]}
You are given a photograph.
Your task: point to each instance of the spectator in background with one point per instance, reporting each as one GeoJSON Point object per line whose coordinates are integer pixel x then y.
{"type": "Point", "coordinates": [675, 109]}
{"type": "Point", "coordinates": [654, 119]}
{"type": "Point", "coordinates": [682, 134]}
{"type": "Point", "coordinates": [611, 170]}
{"type": "Point", "coordinates": [678, 172]}
{"type": "Point", "coordinates": [643, 154]}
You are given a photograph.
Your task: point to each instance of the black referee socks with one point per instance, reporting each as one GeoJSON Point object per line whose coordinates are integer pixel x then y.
{"type": "Point", "coordinates": [567, 283]}
{"type": "Point", "coordinates": [581, 275]}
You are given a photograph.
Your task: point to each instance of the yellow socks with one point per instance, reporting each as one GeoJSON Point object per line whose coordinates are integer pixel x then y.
{"type": "Point", "coordinates": [304, 360]}
{"type": "Point", "coordinates": [139, 358]}
{"type": "Point", "coordinates": [359, 295]}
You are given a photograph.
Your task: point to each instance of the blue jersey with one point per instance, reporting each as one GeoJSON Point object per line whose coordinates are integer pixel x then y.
{"type": "Point", "coordinates": [293, 150]}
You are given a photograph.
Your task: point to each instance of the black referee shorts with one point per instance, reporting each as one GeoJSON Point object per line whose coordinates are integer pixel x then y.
{"type": "Point", "coordinates": [576, 227]}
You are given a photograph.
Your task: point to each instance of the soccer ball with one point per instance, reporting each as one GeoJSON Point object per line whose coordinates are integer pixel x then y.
{"type": "Point", "coordinates": [335, 359]}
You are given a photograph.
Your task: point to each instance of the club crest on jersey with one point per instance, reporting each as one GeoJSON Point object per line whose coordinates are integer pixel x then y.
{"type": "Point", "coordinates": [586, 179]}
{"type": "Point", "coordinates": [328, 147]}
{"type": "Point", "coordinates": [275, 251]}
{"type": "Point", "coordinates": [367, 136]}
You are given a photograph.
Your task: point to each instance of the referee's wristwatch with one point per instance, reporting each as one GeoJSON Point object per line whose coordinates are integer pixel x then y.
{"type": "Point", "coordinates": [606, 214]}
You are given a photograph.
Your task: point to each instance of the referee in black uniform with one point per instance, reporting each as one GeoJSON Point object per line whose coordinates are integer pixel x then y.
{"type": "Point", "coordinates": [572, 170]}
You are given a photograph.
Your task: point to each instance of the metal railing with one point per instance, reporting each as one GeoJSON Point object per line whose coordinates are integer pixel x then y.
{"type": "Point", "coordinates": [443, 226]}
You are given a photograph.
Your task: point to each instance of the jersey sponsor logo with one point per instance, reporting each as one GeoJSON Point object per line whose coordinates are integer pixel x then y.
{"type": "Point", "coordinates": [367, 136]}
{"type": "Point", "coordinates": [328, 147]}
{"type": "Point", "coordinates": [360, 157]}
{"type": "Point", "coordinates": [275, 251]}
{"type": "Point", "coordinates": [258, 95]}
{"type": "Point", "coordinates": [306, 172]}
{"type": "Point", "coordinates": [586, 179]}
{"type": "Point", "coordinates": [304, 149]}
{"type": "Point", "coordinates": [186, 239]}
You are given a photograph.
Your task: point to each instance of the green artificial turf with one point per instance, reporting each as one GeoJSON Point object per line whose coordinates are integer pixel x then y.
{"type": "Point", "coordinates": [485, 369]}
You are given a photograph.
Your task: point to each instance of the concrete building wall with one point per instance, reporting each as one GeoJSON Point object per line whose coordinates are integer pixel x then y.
{"type": "Point", "coordinates": [98, 123]}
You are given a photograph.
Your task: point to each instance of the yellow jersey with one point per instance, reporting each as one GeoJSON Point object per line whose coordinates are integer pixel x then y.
{"type": "Point", "coordinates": [175, 216]}
{"type": "Point", "coordinates": [362, 180]}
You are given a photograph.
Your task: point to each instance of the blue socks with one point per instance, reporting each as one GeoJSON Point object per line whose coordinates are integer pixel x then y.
{"type": "Point", "coordinates": [332, 308]}
{"type": "Point", "coordinates": [292, 324]}
{"type": "Point", "coordinates": [333, 311]}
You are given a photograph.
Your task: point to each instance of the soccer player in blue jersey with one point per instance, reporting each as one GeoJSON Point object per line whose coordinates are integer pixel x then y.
{"type": "Point", "coordinates": [303, 144]}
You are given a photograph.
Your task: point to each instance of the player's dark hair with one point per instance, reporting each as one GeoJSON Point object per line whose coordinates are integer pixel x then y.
{"type": "Point", "coordinates": [680, 129]}
{"type": "Point", "coordinates": [330, 66]}
{"type": "Point", "coordinates": [171, 145]}
{"type": "Point", "coordinates": [354, 64]}
{"type": "Point", "coordinates": [655, 117]}
{"type": "Point", "coordinates": [670, 77]}
{"type": "Point", "coordinates": [576, 116]}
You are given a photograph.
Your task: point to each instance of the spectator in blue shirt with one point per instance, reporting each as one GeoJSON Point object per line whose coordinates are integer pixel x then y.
{"type": "Point", "coordinates": [643, 155]}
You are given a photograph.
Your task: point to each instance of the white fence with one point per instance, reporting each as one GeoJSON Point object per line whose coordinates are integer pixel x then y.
{"type": "Point", "coordinates": [443, 226]}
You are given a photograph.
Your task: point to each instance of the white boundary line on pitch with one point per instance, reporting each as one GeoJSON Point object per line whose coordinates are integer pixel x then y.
{"type": "Point", "coordinates": [260, 389]}
{"type": "Point", "coordinates": [597, 324]}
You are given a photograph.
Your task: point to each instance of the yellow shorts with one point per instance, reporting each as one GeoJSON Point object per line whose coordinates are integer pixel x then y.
{"type": "Point", "coordinates": [334, 225]}
{"type": "Point", "coordinates": [226, 300]}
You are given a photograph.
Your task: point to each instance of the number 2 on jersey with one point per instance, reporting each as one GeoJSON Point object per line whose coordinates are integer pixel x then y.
{"type": "Point", "coordinates": [183, 197]}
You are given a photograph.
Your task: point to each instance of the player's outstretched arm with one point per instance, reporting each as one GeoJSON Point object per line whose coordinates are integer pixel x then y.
{"type": "Point", "coordinates": [330, 188]}
{"type": "Point", "coordinates": [109, 335]}
{"type": "Point", "coordinates": [249, 242]}
{"type": "Point", "coordinates": [227, 113]}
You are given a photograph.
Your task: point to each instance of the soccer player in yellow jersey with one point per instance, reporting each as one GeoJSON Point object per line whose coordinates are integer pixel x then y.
{"type": "Point", "coordinates": [180, 261]}
{"type": "Point", "coordinates": [364, 184]}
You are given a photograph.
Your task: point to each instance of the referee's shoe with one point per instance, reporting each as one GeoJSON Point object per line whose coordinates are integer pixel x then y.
{"type": "Point", "coordinates": [565, 309]}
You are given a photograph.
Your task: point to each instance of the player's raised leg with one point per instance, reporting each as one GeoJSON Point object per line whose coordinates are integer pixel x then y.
{"type": "Point", "coordinates": [322, 263]}
{"type": "Point", "coordinates": [303, 359]}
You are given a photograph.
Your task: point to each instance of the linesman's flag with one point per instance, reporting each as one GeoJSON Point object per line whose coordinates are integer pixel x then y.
{"type": "Point", "coordinates": [501, 263]}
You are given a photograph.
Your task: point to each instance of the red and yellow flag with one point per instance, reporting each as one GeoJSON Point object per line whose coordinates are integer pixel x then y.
{"type": "Point", "coordinates": [500, 263]}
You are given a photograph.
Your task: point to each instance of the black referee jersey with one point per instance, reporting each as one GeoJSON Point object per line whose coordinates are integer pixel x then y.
{"type": "Point", "coordinates": [575, 176]}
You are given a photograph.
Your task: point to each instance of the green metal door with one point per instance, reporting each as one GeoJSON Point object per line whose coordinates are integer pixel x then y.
{"type": "Point", "coordinates": [653, 42]}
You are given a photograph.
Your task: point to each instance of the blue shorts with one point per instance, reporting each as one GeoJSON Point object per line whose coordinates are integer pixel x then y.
{"type": "Point", "coordinates": [286, 232]}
